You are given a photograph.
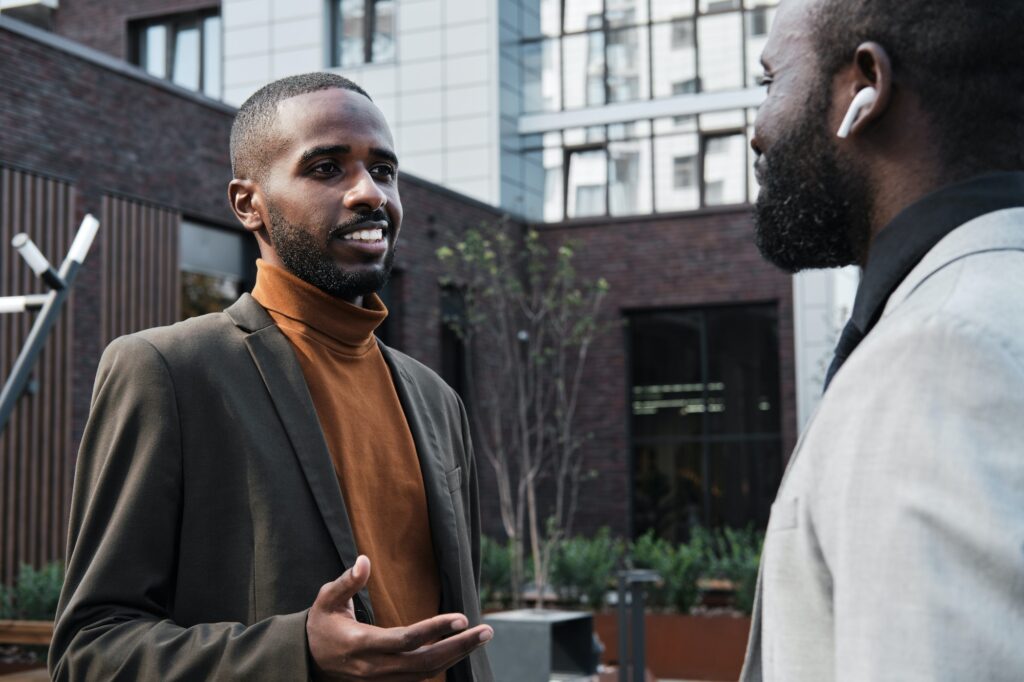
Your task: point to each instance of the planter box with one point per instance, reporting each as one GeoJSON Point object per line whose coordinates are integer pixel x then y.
{"type": "Point", "coordinates": [532, 644]}
{"type": "Point", "coordinates": [38, 632]}
{"type": "Point", "coordinates": [684, 647]}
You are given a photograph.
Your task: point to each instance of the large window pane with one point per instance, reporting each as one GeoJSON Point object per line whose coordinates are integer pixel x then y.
{"type": "Point", "coordinates": [758, 24]}
{"type": "Point", "coordinates": [671, 9]}
{"type": "Point", "coordinates": [215, 267]}
{"type": "Point", "coordinates": [686, 471]}
{"type": "Point", "coordinates": [541, 71]}
{"type": "Point", "coordinates": [582, 15]}
{"type": "Point", "coordinates": [154, 52]}
{"type": "Point", "coordinates": [211, 57]}
{"type": "Point", "coordinates": [588, 183]}
{"type": "Point", "coordinates": [554, 186]}
{"type": "Point", "coordinates": [725, 170]}
{"type": "Point", "coordinates": [627, 65]}
{"type": "Point", "coordinates": [383, 30]}
{"type": "Point", "coordinates": [719, 39]}
{"type": "Point", "coordinates": [712, 6]}
{"type": "Point", "coordinates": [541, 18]}
{"type": "Point", "coordinates": [584, 70]}
{"type": "Point", "coordinates": [625, 12]}
{"type": "Point", "coordinates": [629, 177]}
{"type": "Point", "coordinates": [185, 71]}
{"type": "Point", "coordinates": [677, 172]}
{"type": "Point", "coordinates": [675, 63]}
{"type": "Point", "coordinates": [349, 32]}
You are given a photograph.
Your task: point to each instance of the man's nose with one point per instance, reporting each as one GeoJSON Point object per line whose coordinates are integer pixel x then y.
{"type": "Point", "coordinates": [365, 194]}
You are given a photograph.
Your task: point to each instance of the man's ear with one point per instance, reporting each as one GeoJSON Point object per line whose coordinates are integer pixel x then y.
{"type": "Point", "coordinates": [247, 204]}
{"type": "Point", "coordinates": [871, 68]}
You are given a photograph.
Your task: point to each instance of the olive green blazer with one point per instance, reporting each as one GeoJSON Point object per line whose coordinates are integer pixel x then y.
{"type": "Point", "coordinates": [206, 513]}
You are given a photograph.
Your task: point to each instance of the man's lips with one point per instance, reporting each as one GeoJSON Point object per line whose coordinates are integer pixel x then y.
{"type": "Point", "coordinates": [368, 238]}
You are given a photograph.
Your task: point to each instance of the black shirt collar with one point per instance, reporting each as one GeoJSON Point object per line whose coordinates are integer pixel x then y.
{"type": "Point", "coordinates": [914, 231]}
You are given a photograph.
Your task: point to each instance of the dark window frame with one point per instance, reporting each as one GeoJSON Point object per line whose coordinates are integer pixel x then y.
{"type": "Point", "coordinates": [369, 31]}
{"type": "Point", "coordinates": [174, 23]}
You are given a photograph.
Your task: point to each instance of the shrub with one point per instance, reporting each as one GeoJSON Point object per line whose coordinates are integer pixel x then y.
{"type": "Point", "coordinates": [582, 569]}
{"type": "Point", "coordinates": [735, 555]}
{"type": "Point", "coordinates": [679, 566]}
{"type": "Point", "coordinates": [495, 573]}
{"type": "Point", "coordinates": [34, 595]}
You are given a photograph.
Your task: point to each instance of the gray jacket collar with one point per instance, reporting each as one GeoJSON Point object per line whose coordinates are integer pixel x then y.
{"type": "Point", "coordinates": [996, 231]}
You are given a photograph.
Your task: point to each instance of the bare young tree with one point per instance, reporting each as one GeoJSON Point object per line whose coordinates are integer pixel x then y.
{"type": "Point", "coordinates": [527, 324]}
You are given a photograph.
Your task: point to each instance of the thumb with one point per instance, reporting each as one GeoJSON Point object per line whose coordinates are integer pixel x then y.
{"type": "Point", "coordinates": [336, 594]}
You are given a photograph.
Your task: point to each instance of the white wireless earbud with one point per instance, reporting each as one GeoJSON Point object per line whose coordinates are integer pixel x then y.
{"type": "Point", "coordinates": [864, 98]}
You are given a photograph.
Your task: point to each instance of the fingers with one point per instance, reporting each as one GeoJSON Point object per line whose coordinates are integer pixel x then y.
{"type": "Point", "coordinates": [335, 595]}
{"type": "Point", "coordinates": [436, 658]}
{"type": "Point", "coordinates": [412, 637]}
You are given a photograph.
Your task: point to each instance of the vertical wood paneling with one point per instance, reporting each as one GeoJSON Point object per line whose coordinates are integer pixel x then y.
{"type": "Point", "coordinates": [35, 450]}
{"type": "Point", "coordinates": [140, 281]}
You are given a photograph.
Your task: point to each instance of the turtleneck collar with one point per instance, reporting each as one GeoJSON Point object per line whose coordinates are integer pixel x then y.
{"type": "Point", "coordinates": [329, 320]}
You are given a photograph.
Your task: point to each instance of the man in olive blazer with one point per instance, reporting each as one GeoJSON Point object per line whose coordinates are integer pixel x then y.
{"type": "Point", "coordinates": [207, 513]}
{"type": "Point", "coordinates": [208, 529]}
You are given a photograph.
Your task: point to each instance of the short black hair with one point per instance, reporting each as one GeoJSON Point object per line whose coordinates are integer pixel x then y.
{"type": "Point", "coordinates": [962, 58]}
{"type": "Point", "coordinates": [250, 146]}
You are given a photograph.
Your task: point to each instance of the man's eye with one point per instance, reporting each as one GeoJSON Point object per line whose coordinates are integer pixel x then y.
{"type": "Point", "coordinates": [383, 170]}
{"type": "Point", "coordinates": [764, 80]}
{"type": "Point", "coordinates": [326, 168]}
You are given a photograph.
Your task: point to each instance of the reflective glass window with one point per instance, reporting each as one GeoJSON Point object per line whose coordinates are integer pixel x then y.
{"type": "Point", "coordinates": [554, 187]}
{"type": "Point", "coordinates": [675, 59]}
{"type": "Point", "coordinates": [625, 12]}
{"type": "Point", "coordinates": [758, 24]}
{"type": "Point", "coordinates": [582, 15]}
{"type": "Point", "coordinates": [662, 10]}
{"type": "Point", "coordinates": [541, 76]}
{"type": "Point", "coordinates": [629, 177]}
{"type": "Point", "coordinates": [350, 31]}
{"type": "Point", "coordinates": [725, 170]}
{"type": "Point", "coordinates": [583, 82]}
{"type": "Point", "coordinates": [383, 31]}
{"type": "Point", "coordinates": [627, 65]}
{"type": "Point", "coordinates": [154, 51]}
{"type": "Point", "coordinates": [185, 69]}
{"type": "Point", "coordinates": [587, 183]}
{"type": "Point", "coordinates": [719, 39]}
{"type": "Point", "coordinates": [677, 172]}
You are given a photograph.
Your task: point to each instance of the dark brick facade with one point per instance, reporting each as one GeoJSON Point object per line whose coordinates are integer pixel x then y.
{"type": "Point", "coordinates": [662, 263]}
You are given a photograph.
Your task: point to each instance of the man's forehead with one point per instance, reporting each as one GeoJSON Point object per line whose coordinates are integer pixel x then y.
{"type": "Point", "coordinates": [791, 30]}
{"type": "Point", "coordinates": [331, 111]}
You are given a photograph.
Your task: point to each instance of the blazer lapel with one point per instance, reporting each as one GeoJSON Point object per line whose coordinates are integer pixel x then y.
{"type": "Point", "coordinates": [443, 524]}
{"type": "Point", "coordinates": [282, 375]}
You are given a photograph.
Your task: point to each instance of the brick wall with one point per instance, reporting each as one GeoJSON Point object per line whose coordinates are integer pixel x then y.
{"type": "Point", "coordinates": [669, 262]}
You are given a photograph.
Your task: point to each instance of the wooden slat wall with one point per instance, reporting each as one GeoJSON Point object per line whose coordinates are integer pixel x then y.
{"type": "Point", "coordinates": [141, 284]}
{"type": "Point", "coordinates": [36, 457]}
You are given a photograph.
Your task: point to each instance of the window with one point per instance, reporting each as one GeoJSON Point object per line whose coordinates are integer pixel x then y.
{"type": "Point", "coordinates": [587, 183]}
{"type": "Point", "coordinates": [453, 346]}
{"type": "Point", "coordinates": [685, 172]}
{"type": "Point", "coordinates": [363, 32]}
{"type": "Point", "coordinates": [183, 48]}
{"type": "Point", "coordinates": [217, 266]}
{"type": "Point", "coordinates": [706, 444]}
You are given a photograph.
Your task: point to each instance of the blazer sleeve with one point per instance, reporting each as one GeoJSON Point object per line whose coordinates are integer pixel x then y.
{"type": "Point", "coordinates": [114, 619]}
{"type": "Point", "coordinates": [472, 492]}
{"type": "Point", "coordinates": [922, 520]}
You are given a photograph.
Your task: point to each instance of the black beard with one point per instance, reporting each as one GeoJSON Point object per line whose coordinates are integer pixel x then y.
{"type": "Point", "coordinates": [811, 212]}
{"type": "Point", "coordinates": [305, 258]}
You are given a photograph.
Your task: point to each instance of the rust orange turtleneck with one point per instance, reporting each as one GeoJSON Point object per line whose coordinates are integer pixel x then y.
{"type": "Point", "coordinates": [368, 438]}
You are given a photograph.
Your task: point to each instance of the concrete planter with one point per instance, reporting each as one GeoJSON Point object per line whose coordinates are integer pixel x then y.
{"type": "Point", "coordinates": [684, 647]}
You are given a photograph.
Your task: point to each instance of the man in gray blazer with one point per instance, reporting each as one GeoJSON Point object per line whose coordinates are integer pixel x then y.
{"type": "Point", "coordinates": [895, 548]}
{"type": "Point", "coordinates": [208, 526]}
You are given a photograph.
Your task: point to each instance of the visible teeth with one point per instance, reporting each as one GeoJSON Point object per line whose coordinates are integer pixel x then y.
{"type": "Point", "coordinates": [366, 235]}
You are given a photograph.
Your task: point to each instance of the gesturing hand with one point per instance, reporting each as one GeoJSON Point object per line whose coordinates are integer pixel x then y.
{"type": "Point", "coordinates": [345, 649]}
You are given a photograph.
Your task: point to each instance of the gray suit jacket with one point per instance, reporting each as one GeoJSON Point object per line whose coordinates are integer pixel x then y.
{"type": "Point", "coordinates": [206, 513]}
{"type": "Point", "coordinates": [895, 549]}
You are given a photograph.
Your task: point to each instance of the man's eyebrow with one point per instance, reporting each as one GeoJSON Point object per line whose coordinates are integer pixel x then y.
{"type": "Point", "coordinates": [325, 150]}
{"type": "Point", "coordinates": [385, 154]}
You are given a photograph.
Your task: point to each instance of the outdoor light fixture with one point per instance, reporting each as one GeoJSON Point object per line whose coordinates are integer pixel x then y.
{"type": "Point", "coordinates": [48, 304]}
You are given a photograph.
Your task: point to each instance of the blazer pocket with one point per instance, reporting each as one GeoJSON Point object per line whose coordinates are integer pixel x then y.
{"type": "Point", "coordinates": [454, 479]}
{"type": "Point", "coordinates": [784, 515]}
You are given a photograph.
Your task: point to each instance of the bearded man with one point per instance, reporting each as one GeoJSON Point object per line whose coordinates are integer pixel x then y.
{"type": "Point", "coordinates": [235, 464]}
{"type": "Point", "coordinates": [892, 137]}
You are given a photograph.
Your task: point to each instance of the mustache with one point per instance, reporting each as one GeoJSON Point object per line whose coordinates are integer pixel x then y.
{"type": "Point", "coordinates": [374, 216]}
